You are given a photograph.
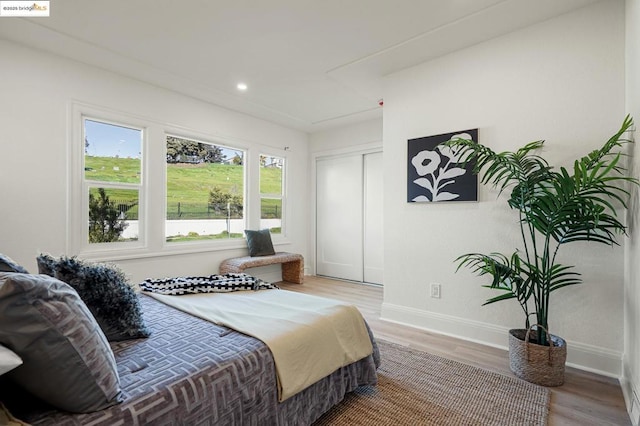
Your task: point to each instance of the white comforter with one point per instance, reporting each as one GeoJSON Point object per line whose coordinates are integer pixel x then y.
{"type": "Point", "coordinates": [310, 337]}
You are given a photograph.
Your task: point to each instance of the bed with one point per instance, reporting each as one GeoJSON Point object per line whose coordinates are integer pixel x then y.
{"type": "Point", "coordinates": [191, 371]}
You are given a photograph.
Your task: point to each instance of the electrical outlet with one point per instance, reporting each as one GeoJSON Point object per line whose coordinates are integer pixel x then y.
{"type": "Point", "coordinates": [435, 290]}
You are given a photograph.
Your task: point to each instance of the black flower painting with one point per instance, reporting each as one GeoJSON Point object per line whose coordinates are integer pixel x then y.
{"type": "Point", "coordinates": [435, 172]}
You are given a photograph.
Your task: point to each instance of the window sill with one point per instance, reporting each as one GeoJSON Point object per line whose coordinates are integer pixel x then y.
{"type": "Point", "coordinates": [174, 249]}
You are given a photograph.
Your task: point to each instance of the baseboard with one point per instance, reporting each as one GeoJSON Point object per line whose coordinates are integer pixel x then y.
{"type": "Point", "coordinates": [631, 393]}
{"type": "Point", "coordinates": [584, 357]}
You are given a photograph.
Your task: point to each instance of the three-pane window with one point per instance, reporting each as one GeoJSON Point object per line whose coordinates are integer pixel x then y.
{"type": "Point", "coordinates": [119, 202]}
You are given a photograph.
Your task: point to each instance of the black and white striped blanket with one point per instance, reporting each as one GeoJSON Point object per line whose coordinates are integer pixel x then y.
{"type": "Point", "coordinates": [211, 284]}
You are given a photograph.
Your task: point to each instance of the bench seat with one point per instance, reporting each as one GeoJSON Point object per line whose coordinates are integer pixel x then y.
{"type": "Point", "coordinates": [292, 265]}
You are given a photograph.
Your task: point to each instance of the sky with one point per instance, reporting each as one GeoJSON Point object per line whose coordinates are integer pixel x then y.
{"type": "Point", "coordinates": [108, 140]}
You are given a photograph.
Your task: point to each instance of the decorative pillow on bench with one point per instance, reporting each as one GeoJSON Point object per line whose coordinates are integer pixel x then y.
{"type": "Point", "coordinates": [259, 243]}
{"type": "Point", "coordinates": [105, 290]}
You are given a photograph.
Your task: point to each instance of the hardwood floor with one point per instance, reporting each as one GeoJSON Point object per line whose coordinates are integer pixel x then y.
{"type": "Point", "coordinates": [584, 399]}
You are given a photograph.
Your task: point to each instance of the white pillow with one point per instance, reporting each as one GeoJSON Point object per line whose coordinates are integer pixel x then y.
{"type": "Point", "coordinates": [8, 360]}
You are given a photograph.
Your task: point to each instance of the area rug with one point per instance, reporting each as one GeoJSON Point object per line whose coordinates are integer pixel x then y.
{"type": "Point", "coordinates": [418, 388]}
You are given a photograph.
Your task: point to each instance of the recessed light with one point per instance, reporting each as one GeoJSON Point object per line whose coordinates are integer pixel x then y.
{"type": "Point", "coordinates": [242, 87]}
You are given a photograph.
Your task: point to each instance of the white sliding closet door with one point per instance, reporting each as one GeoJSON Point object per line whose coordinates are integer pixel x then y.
{"type": "Point", "coordinates": [349, 207]}
{"type": "Point", "coordinates": [339, 217]}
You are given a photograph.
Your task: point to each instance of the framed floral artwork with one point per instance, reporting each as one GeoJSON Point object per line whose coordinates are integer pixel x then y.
{"type": "Point", "coordinates": [435, 173]}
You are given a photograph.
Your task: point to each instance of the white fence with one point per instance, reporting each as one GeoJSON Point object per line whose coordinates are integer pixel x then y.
{"type": "Point", "coordinates": [201, 226]}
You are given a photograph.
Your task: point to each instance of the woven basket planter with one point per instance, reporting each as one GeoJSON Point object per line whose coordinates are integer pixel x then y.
{"type": "Point", "coordinates": [542, 365]}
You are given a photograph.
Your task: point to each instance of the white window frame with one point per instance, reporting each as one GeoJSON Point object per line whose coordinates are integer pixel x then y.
{"type": "Point", "coordinates": [78, 214]}
{"type": "Point", "coordinates": [282, 196]}
{"type": "Point", "coordinates": [209, 244]}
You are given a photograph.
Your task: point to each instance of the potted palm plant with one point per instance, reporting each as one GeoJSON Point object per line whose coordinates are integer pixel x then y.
{"type": "Point", "coordinates": [555, 208]}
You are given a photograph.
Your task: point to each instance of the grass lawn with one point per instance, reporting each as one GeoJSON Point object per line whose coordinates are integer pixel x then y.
{"type": "Point", "coordinates": [188, 184]}
{"type": "Point", "coordinates": [111, 169]}
{"type": "Point", "coordinates": [191, 183]}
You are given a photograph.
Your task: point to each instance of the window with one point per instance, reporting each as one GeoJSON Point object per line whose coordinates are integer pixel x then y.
{"type": "Point", "coordinates": [205, 191]}
{"type": "Point", "coordinates": [271, 193]}
{"type": "Point", "coordinates": [112, 181]}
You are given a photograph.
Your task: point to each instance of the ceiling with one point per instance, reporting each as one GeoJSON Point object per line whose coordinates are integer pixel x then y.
{"type": "Point", "coordinates": [308, 64]}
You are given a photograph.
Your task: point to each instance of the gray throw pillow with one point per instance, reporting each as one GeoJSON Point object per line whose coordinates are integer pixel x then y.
{"type": "Point", "coordinates": [67, 360]}
{"type": "Point", "coordinates": [8, 265]}
{"type": "Point", "coordinates": [106, 292]}
{"type": "Point", "coordinates": [259, 243]}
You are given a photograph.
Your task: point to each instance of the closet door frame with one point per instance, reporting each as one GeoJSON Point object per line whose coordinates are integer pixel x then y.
{"type": "Point", "coordinates": [357, 149]}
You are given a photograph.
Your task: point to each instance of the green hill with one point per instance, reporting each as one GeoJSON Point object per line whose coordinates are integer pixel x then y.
{"type": "Point", "coordinates": [189, 184]}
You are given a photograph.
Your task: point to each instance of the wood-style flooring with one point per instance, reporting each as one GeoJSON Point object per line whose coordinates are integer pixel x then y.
{"type": "Point", "coordinates": [584, 399]}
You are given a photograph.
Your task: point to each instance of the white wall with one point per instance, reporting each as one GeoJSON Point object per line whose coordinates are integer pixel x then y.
{"type": "Point", "coordinates": [37, 91]}
{"type": "Point", "coordinates": [631, 370]}
{"type": "Point", "coordinates": [561, 80]}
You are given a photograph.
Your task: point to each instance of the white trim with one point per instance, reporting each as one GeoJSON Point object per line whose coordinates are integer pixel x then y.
{"type": "Point", "coordinates": [185, 248]}
{"type": "Point", "coordinates": [584, 357]}
{"type": "Point", "coordinates": [631, 394]}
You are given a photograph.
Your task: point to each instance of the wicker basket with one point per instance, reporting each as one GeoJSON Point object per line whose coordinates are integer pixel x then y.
{"type": "Point", "coordinates": [542, 365]}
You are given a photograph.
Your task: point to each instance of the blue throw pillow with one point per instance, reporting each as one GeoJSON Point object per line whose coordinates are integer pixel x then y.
{"type": "Point", "coordinates": [259, 243]}
{"type": "Point", "coordinates": [106, 292]}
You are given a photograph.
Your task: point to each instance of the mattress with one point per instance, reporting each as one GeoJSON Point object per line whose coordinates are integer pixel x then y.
{"type": "Point", "coordinates": [191, 371]}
